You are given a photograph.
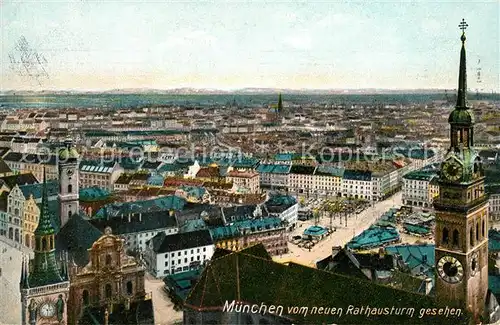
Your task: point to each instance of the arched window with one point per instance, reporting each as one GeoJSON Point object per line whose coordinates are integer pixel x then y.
{"type": "Point", "coordinates": [11, 233]}
{"type": "Point", "coordinates": [482, 229]}
{"type": "Point", "coordinates": [108, 259]}
{"type": "Point", "coordinates": [51, 243]}
{"type": "Point", "coordinates": [109, 291]}
{"type": "Point", "coordinates": [16, 236]}
{"type": "Point", "coordinates": [471, 237]}
{"type": "Point", "coordinates": [129, 288]}
{"type": "Point", "coordinates": [27, 240]}
{"type": "Point", "coordinates": [85, 297]}
{"type": "Point", "coordinates": [455, 237]}
{"type": "Point", "coordinates": [446, 235]}
{"type": "Point", "coordinates": [70, 188]}
{"type": "Point", "coordinates": [477, 231]}
{"type": "Point", "coordinates": [44, 244]}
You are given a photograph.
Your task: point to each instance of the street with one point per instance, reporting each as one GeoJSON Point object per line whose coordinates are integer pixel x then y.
{"type": "Point", "coordinates": [355, 225]}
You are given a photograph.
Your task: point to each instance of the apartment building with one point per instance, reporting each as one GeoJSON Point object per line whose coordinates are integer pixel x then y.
{"type": "Point", "coordinates": [420, 188]}
{"type": "Point", "coordinates": [99, 174]}
{"type": "Point", "coordinates": [170, 254]}
{"type": "Point", "coordinates": [245, 181]}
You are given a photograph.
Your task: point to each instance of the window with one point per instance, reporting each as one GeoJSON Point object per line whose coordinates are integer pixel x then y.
{"type": "Point", "coordinates": [185, 260]}
{"type": "Point", "coordinates": [204, 249]}
{"type": "Point", "coordinates": [70, 188]}
{"type": "Point", "coordinates": [85, 297]}
{"type": "Point", "coordinates": [179, 254]}
{"type": "Point", "coordinates": [108, 259]}
{"type": "Point", "coordinates": [482, 229]}
{"type": "Point", "coordinates": [477, 230]}
{"type": "Point", "coordinates": [446, 236]}
{"type": "Point", "coordinates": [109, 291]}
{"type": "Point", "coordinates": [129, 288]}
{"type": "Point", "coordinates": [166, 263]}
{"type": "Point", "coordinates": [471, 237]}
{"type": "Point", "coordinates": [455, 237]}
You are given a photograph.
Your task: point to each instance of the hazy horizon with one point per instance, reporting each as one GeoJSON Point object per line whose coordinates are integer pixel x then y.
{"type": "Point", "coordinates": [103, 46]}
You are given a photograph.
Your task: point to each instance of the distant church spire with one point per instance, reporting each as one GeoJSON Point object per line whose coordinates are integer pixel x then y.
{"type": "Point", "coordinates": [462, 75]}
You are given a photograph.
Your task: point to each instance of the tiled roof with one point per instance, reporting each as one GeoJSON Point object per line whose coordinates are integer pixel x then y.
{"type": "Point", "coordinates": [31, 158]}
{"type": "Point", "coordinates": [180, 241]}
{"type": "Point", "coordinates": [241, 276]}
{"type": "Point", "coordinates": [302, 169]}
{"type": "Point", "coordinates": [36, 189]}
{"type": "Point", "coordinates": [140, 312]}
{"type": "Point", "coordinates": [274, 168]}
{"type": "Point", "coordinates": [329, 171]}
{"type": "Point", "coordinates": [357, 175]}
{"type": "Point", "coordinates": [76, 237]}
{"type": "Point", "coordinates": [146, 221]}
{"type": "Point", "coordinates": [93, 193]}
{"type": "Point", "coordinates": [373, 237]}
{"type": "Point", "coordinates": [420, 175]}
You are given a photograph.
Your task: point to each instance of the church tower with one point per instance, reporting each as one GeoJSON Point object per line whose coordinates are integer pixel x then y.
{"type": "Point", "coordinates": [462, 212]}
{"type": "Point", "coordinates": [44, 285]}
{"type": "Point", "coordinates": [68, 182]}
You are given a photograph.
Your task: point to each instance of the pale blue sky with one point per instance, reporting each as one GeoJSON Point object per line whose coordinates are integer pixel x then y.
{"type": "Point", "coordinates": [235, 44]}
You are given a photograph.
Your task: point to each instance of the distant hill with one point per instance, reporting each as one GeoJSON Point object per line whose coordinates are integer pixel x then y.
{"type": "Point", "coordinates": [209, 91]}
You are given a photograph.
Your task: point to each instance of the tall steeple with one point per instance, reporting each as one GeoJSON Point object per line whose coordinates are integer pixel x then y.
{"type": "Point", "coordinates": [462, 75]}
{"type": "Point", "coordinates": [461, 118]}
{"type": "Point", "coordinates": [45, 268]}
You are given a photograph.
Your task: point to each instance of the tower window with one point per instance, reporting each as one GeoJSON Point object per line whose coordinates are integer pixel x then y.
{"type": "Point", "coordinates": [108, 259]}
{"type": "Point", "coordinates": [44, 244]}
{"type": "Point", "coordinates": [446, 236]}
{"type": "Point", "coordinates": [108, 291]}
{"type": "Point", "coordinates": [477, 230]}
{"type": "Point", "coordinates": [471, 237]}
{"type": "Point", "coordinates": [85, 297]}
{"type": "Point", "coordinates": [129, 287]}
{"type": "Point", "coordinates": [482, 229]}
{"type": "Point", "coordinates": [70, 188]}
{"type": "Point", "coordinates": [455, 237]}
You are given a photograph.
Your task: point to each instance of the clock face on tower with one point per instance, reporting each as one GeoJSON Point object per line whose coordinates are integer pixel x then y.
{"type": "Point", "coordinates": [69, 172]}
{"type": "Point", "coordinates": [452, 170]}
{"type": "Point", "coordinates": [450, 269]}
{"type": "Point", "coordinates": [47, 310]}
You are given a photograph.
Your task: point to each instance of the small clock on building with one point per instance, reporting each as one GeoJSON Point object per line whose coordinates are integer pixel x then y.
{"type": "Point", "coordinates": [47, 310]}
{"type": "Point", "coordinates": [450, 269]}
{"type": "Point", "coordinates": [69, 172]}
{"type": "Point", "coordinates": [452, 170]}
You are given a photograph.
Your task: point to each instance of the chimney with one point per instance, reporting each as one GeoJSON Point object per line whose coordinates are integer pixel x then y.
{"type": "Point", "coordinates": [106, 317]}
{"type": "Point", "coordinates": [336, 250]}
{"type": "Point", "coordinates": [381, 253]}
{"type": "Point", "coordinates": [428, 285]}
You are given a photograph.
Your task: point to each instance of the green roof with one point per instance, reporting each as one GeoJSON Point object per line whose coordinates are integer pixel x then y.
{"type": "Point", "coordinates": [419, 175]}
{"type": "Point", "coordinates": [461, 116]}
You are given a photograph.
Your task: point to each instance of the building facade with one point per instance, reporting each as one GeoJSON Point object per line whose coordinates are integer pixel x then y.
{"type": "Point", "coordinates": [169, 254]}
{"type": "Point", "coordinates": [111, 277]}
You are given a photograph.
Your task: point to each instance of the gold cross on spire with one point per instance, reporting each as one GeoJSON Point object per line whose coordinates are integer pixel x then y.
{"type": "Point", "coordinates": [463, 25]}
